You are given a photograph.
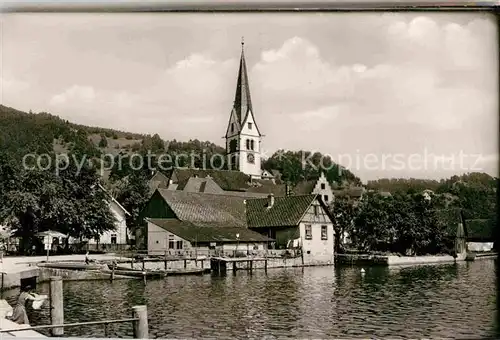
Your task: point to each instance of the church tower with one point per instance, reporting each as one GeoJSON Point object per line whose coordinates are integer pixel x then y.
{"type": "Point", "coordinates": [243, 137]}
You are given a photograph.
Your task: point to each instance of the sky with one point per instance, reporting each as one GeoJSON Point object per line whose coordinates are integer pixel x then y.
{"type": "Point", "coordinates": [385, 94]}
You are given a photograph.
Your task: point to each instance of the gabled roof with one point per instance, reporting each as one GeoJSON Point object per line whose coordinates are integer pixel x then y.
{"type": "Point", "coordinates": [228, 180]}
{"type": "Point", "coordinates": [114, 200]}
{"type": "Point", "coordinates": [214, 209]}
{"type": "Point", "coordinates": [285, 212]}
{"type": "Point", "coordinates": [198, 232]}
{"type": "Point", "coordinates": [267, 187]}
{"type": "Point", "coordinates": [196, 184]}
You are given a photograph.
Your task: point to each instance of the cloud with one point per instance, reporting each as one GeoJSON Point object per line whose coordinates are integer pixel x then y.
{"type": "Point", "coordinates": [377, 83]}
{"type": "Point", "coordinates": [74, 95]}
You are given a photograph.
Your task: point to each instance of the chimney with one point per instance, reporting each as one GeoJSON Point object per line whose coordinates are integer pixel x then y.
{"type": "Point", "coordinates": [270, 202]}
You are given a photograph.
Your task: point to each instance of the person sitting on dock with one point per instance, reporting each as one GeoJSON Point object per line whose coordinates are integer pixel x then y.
{"type": "Point", "coordinates": [19, 314]}
{"type": "Point", "coordinates": [87, 260]}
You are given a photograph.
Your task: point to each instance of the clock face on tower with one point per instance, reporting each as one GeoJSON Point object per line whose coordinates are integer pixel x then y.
{"type": "Point", "coordinates": [250, 158]}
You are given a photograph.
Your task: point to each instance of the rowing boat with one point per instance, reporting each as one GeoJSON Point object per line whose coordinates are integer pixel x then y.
{"type": "Point", "coordinates": [73, 266]}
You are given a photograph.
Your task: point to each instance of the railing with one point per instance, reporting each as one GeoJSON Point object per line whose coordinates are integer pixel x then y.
{"type": "Point", "coordinates": [139, 319]}
{"type": "Point", "coordinates": [75, 324]}
{"type": "Point", "coordinates": [243, 252]}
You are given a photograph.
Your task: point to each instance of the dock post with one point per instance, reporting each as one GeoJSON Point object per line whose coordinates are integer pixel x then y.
{"type": "Point", "coordinates": [132, 263]}
{"type": "Point", "coordinates": [56, 305]}
{"type": "Point", "coordinates": [141, 326]}
{"type": "Point", "coordinates": [185, 264]}
{"type": "Point", "coordinates": [112, 277]}
{"type": "Point", "coordinates": [234, 267]}
{"type": "Point", "coordinates": [165, 260]}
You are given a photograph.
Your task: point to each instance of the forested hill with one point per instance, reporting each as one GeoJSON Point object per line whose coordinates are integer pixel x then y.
{"type": "Point", "coordinates": [22, 133]}
{"type": "Point", "coordinates": [395, 185]}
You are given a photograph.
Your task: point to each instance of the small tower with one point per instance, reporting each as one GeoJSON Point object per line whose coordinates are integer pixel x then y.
{"type": "Point", "coordinates": [243, 137]}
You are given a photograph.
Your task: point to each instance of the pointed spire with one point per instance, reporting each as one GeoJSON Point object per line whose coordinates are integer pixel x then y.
{"type": "Point", "coordinates": [242, 100]}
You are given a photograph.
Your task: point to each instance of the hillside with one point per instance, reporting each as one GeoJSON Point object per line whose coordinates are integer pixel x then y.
{"type": "Point", "coordinates": [22, 133]}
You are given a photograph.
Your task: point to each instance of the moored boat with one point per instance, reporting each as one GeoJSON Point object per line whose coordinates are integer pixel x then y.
{"type": "Point", "coordinates": [72, 265]}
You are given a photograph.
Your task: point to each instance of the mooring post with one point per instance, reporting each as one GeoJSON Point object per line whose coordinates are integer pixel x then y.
{"type": "Point", "coordinates": [56, 305]}
{"type": "Point", "coordinates": [165, 260]}
{"type": "Point", "coordinates": [141, 326]}
{"type": "Point", "coordinates": [132, 263]}
{"type": "Point", "coordinates": [112, 277]}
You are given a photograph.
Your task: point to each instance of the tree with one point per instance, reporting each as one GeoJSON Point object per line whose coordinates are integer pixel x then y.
{"type": "Point", "coordinates": [133, 196]}
{"type": "Point", "coordinates": [345, 213]}
{"type": "Point", "coordinates": [103, 142]}
{"type": "Point", "coordinates": [70, 203]}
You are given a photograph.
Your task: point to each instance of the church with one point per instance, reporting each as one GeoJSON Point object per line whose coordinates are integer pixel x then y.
{"type": "Point", "coordinates": [244, 175]}
{"type": "Point", "coordinates": [243, 137]}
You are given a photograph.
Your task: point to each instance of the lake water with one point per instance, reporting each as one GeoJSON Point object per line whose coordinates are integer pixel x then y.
{"type": "Point", "coordinates": [442, 301]}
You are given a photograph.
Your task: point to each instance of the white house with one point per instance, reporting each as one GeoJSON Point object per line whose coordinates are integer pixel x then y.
{"type": "Point", "coordinates": [113, 239]}
{"type": "Point", "coordinates": [300, 222]}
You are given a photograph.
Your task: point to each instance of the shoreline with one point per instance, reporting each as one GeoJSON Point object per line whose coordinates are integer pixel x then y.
{"type": "Point", "coordinates": [394, 260]}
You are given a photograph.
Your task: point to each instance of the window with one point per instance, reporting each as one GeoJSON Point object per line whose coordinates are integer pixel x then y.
{"type": "Point", "coordinates": [250, 126]}
{"type": "Point", "coordinates": [113, 238]}
{"type": "Point", "coordinates": [171, 244]}
{"type": "Point", "coordinates": [233, 145]}
{"type": "Point", "coordinates": [325, 198]}
{"type": "Point", "coordinates": [179, 244]}
{"type": "Point", "coordinates": [232, 127]}
{"type": "Point", "coordinates": [324, 232]}
{"type": "Point", "coordinates": [323, 186]}
{"type": "Point", "coordinates": [309, 235]}
{"type": "Point", "coordinates": [248, 144]}
{"type": "Point", "coordinates": [251, 144]}
{"type": "Point", "coordinates": [315, 208]}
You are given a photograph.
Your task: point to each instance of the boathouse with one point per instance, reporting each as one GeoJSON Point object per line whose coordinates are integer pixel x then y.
{"type": "Point", "coordinates": [180, 222]}
{"type": "Point", "coordinates": [302, 223]}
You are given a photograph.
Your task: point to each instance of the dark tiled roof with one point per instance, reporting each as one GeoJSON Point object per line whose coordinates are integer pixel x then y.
{"type": "Point", "coordinates": [226, 179]}
{"type": "Point", "coordinates": [304, 188]}
{"type": "Point", "coordinates": [205, 232]}
{"type": "Point", "coordinates": [225, 210]}
{"type": "Point", "coordinates": [202, 185]}
{"type": "Point", "coordinates": [158, 180]}
{"type": "Point", "coordinates": [267, 187]}
{"type": "Point", "coordinates": [286, 211]}
{"type": "Point", "coordinates": [481, 230]}
{"type": "Point", "coordinates": [245, 194]}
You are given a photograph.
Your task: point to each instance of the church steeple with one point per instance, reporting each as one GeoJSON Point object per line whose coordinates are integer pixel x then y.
{"type": "Point", "coordinates": [243, 137]}
{"type": "Point", "coordinates": [242, 100]}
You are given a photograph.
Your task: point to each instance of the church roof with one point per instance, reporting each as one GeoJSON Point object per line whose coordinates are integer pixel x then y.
{"type": "Point", "coordinates": [242, 99]}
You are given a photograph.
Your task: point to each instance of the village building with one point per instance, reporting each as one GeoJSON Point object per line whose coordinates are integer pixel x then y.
{"type": "Point", "coordinates": [180, 222]}
{"type": "Point", "coordinates": [302, 223]}
{"type": "Point", "coordinates": [188, 223]}
{"type": "Point", "coordinates": [117, 239]}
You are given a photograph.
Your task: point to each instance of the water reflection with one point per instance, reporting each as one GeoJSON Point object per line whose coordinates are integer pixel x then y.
{"type": "Point", "coordinates": [446, 301]}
